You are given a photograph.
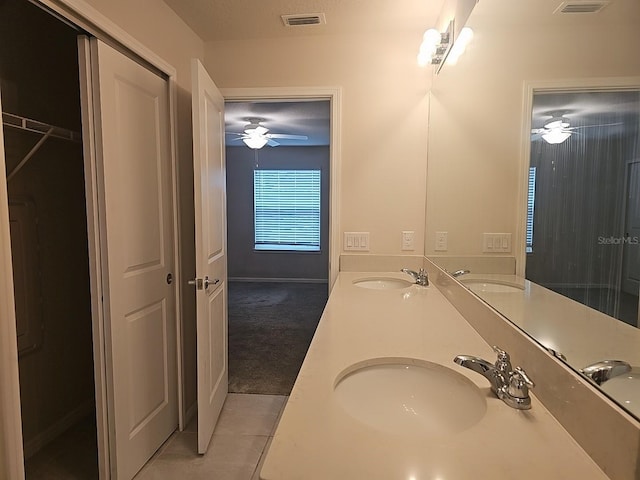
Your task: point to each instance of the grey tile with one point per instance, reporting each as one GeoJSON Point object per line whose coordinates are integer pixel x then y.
{"type": "Point", "coordinates": [256, 473]}
{"type": "Point", "coordinates": [229, 457]}
{"type": "Point", "coordinates": [244, 414]}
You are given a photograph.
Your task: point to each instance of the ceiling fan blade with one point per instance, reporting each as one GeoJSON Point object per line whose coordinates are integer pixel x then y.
{"type": "Point", "coordinates": [594, 126]}
{"type": "Point", "coordinates": [272, 143]}
{"type": "Point", "coordinates": [535, 136]}
{"type": "Point", "coordinates": [287, 137]}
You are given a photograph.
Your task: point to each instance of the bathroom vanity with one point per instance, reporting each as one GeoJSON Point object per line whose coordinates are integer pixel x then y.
{"type": "Point", "coordinates": [374, 341]}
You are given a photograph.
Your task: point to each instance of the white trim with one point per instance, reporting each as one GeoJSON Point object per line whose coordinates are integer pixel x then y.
{"type": "Point", "coordinates": [595, 84]}
{"type": "Point", "coordinates": [87, 17]}
{"type": "Point", "coordinates": [334, 94]}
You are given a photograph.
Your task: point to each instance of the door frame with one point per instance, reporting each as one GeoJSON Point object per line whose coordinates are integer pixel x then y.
{"type": "Point", "coordinates": [334, 95]}
{"type": "Point", "coordinates": [81, 14]}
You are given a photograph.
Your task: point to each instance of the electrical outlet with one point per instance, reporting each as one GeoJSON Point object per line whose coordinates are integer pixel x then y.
{"type": "Point", "coordinates": [407, 240]}
{"type": "Point", "coordinates": [356, 241]}
{"type": "Point", "coordinates": [441, 241]}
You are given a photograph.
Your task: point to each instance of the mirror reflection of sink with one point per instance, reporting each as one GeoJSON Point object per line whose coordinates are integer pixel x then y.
{"type": "Point", "coordinates": [409, 396]}
{"type": "Point", "coordinates": [382, 283]}
{"type": "Point", "coordinates": [625, 389]}
{"type": "Point", "coordinates": [482, 285]}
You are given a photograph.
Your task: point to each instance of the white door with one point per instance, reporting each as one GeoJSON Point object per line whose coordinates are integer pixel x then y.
{"type": "Point", "coordinates": [133, 159]}
{"type": "Point", "coordinates": [211, 253]}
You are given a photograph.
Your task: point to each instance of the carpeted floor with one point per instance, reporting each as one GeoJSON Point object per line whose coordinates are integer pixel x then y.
{"type": "Point", "coordinates": [270, 328]}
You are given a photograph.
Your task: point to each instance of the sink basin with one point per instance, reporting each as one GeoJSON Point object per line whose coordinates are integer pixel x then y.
{"type": "Point", "coordinates": [492, 286]}
{"type": "Point", "coordinates": [406, 396]}
{"type": "Point", "coordinates": [625, 389]}
{"type": "Point", "coordinates": [382, 283]}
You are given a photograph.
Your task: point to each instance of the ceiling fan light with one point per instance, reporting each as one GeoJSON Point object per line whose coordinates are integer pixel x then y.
{"type": "Point", "coordinates": [255, 141]}
{"type": "Point", "coordinates": [557, 122]}
{"type": "Point", "coordinates": [555, 136]}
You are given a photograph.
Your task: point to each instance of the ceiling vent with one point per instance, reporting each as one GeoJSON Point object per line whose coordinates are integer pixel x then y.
{"type": "Point", "coordinates": [582, 6]}
{"type": "Point", "coordinates": [303, 20]}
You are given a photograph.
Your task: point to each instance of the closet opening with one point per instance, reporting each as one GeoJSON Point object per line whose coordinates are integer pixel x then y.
{"type": "Point", "coordinates": [40, 94]}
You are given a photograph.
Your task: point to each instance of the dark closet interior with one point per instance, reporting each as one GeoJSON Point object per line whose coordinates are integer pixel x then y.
{"type": "Point", "coordinates": [40, 95]}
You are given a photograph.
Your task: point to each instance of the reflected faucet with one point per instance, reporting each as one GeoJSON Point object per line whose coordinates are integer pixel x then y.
{"type": "Point", "coordinates": [421, 277]}
{"type": "Point", "coordinates": [510, 385]}
{"type": "Point", "coordinates": [459, 273]}
{"type": "Point", "coordinates": [605, 370]}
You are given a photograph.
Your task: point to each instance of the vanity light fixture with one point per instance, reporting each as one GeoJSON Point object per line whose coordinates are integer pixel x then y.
{"type": "Point", "coordinates": [435, 46]}
{"type": "Point", "coordinates": [440, 48]}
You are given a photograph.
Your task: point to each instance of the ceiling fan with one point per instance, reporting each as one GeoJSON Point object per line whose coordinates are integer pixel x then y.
{"type": "Point", "coordinates": [256, 136]}
{"type": "Point", "coordinates": [558, 129]}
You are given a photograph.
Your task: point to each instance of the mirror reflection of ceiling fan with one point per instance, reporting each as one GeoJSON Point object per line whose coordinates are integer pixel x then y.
{"type": "Point", "coordinates": [558, 129]}
{"type": "Point", "coordinates": [256, 136]}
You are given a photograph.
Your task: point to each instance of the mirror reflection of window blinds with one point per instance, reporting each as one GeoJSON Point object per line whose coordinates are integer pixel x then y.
{"type": "Point", "coordinates": [531, 200]}
{"type": "Point", "coordinates": [287, 210]}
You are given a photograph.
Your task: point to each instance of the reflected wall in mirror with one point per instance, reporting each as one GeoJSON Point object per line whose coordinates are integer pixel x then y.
{"type": "Point", "coordinates": [480, 138]}
{"type": "Point", "coordinates": [583, 205]}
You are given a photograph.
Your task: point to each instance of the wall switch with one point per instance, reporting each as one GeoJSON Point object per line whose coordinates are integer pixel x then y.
{"type": "Point", "coordinates": [496, 242]}
{"type": "Point", "coordinates": [441, 241]}
{"type": "Point", "coordinates": [407, 240]}
{"type": "Point", "coordinates": [358, 241]}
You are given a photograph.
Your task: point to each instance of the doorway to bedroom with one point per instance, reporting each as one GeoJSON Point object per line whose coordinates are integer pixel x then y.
{"type": "Point", "coordinates": [278, 177]}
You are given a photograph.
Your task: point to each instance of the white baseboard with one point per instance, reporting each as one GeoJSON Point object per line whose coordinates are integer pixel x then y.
{"type": "Point", "coordinates": [40, 440]}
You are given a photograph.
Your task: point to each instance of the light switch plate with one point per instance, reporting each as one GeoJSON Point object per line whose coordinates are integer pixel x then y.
{"type": "Point", "coordinates": [356, 241]}
{"type": "Point", "coordinates": [496, 242]}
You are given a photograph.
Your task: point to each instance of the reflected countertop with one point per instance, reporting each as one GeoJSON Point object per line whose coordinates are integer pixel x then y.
{"type": "Point", "coordinates": [317, 439]}
{"type": "Point", "coordinates": [582, 334]}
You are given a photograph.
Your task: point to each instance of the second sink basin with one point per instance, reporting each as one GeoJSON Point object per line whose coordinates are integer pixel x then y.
{"type": "Point", "coordinates": [491, 286]}
{"type": "Point", "coordinates": [409, 396]}
{"type": "Point", "coordinates": [382, 283]}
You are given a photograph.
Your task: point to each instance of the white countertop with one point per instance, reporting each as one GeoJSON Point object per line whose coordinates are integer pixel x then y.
{"type": "Point", "coordinates": [317, 439]}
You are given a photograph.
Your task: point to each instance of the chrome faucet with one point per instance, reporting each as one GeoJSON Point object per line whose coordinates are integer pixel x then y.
{"type": "Point", "coordinates": [459, 273]}
{"type": "Point", "coordinates": [421, 277]}
{"type": "Point", "coordinates": [510, 385]}
{"type": "Point", "coordinates": [602, 371]}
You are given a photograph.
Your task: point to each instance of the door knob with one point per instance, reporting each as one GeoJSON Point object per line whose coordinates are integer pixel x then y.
{"type": "Point", "coordinates": [208, 282]}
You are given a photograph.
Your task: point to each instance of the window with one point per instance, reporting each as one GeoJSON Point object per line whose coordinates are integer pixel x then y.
{"type": "Point", "coordinates": [286, 207]}
{"type": "Point", "coordinates": [531, 200]}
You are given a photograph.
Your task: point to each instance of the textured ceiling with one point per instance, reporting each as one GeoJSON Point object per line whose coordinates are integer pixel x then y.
{"type": "Point", "coordinates": [310, 118]}
{"type": "Point", "coordinates": [243, 19]}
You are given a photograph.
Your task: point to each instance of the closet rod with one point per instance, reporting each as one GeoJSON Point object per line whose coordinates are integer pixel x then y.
{"type": "Point", "coordinates": [22, 123]}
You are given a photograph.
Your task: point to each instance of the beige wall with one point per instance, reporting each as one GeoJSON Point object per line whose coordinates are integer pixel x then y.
{"type": "Point", "coordinates": [384, 118]}
{"type": "Point", "coordinates": [475, 129]}
{"type": "Point", "coordinates": [156, 26]}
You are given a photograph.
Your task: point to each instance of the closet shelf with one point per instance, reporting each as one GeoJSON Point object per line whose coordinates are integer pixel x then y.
{"type": "Point", "coordinates": [22, 123]}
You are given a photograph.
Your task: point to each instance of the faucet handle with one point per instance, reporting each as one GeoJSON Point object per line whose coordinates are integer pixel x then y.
{"type": "Point", "coordinates": [520, 383]}
{"type": "Point", "coordinates": [503, 363]}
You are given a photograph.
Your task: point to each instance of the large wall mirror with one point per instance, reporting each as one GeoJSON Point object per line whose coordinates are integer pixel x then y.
{"type": "Point", "coordinates": [535, 133]}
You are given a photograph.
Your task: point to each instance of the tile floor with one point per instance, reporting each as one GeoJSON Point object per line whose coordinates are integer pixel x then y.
{"type": "Point", "coordinates": [240, 441]}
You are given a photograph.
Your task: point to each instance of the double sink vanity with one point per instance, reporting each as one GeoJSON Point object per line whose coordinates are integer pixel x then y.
{"type": "Point", "coordinates": [379, 395]}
